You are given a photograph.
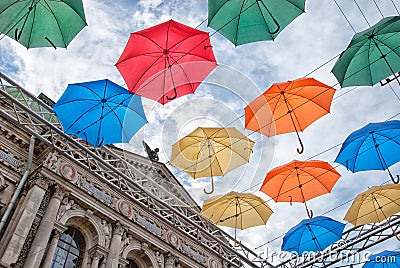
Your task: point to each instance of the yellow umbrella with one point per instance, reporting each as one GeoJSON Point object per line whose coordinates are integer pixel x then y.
{"type": "Point", "coordinates": [375, 205]}
{"type": "Point", "coordinates": [208, 152]}
{"type": "Point", "coordinates": [237, 210]}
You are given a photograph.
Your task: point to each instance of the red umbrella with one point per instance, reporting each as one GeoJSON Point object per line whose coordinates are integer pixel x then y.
{"type": "Point", "coordinates": [166, 61]}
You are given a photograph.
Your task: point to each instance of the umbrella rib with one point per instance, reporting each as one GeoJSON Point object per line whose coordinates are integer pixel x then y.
{"type": "Point", "coordinates": [74, 11]}
{"type": "Point", "coordinates": [151, 40]}
{"type": "Point", "coordinates": [262, 15]}
{"type": "Point", "coordinates": [315, 178]}
{"type": "Point", "coordinates": [290, 114]}
{"type": "Point", "coordinates": [384, 44]}
{"type": "Point", "coordinates": [358, 150]}
{"type": "Point", "coordinates": [216, 158]}
{"type": "Point", "coordinates": [273, 110]}
{"type": "Point", "coordinates": [393, 201]}
{"type": "Point", "coordinates": [375, 210]}
{"type": "Point", "coordinates": [183, 70]}
{"type": "Point", "coordinates": [307, 100]}
{"type": "Point", "coordinates": [241, 215]}
{"type": "Point", "coordinates": [80, 117]}
{"type": "Point", "coordinates": [283, 181]}
{"type": "Point", "coordinates": [194, 35]}
{"type": "Point", "coordinates": [228, 147]}
{"type": "Point", "coordinates": [377, 133]}
{"type": "Point", "coordinates": [146, 82]}
{"type": "Point", "coordinates": [15, 24]}
{"type": "Point", "coordinates": [225, 209]}
{"type": "Point", "coordinates": [191, 54]}
{"type": "Point", "coordinates": [369, 60]}
{"type": "Point", "coordinates": [348, 65]}
{"type": "Point", "coordinates": [33, 21]}
{"type": "Point", "coordinates": [238, 21]}
{"type": "Point", "coordinates": [139, 55]}
{"type": "Point", "coordinates": [58, 24]}
{"type": "Point", "coordinates": [197, 158]}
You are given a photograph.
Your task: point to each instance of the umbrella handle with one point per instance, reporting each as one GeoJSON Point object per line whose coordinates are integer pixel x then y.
{"type": "Point", "coordinates": [235, 244]}
{"type": "Point", "coordinates": [301, 150]}
{"type": "Point", "coordinates": [17, 35]}
{"type": "Point", "coordinates": [395, 179]}
{"type": "Point", "coordinates": [212, 187]}
{"type": "Point", "coordinates": [310, 213]}
{"type": "Point", "coordinates": [173, 97]}
{"type": "Point", "coordinates": [278, 26]}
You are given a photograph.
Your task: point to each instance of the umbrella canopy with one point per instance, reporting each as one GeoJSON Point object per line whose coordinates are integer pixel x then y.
{"type": "Point", "coordinates": [375, 146]}
{"type": "Point", "coordinates": [237, 210]}
{"type": "Point", "coordinates": [166, 61]}
{"type": "Point", "coordinates": [100, 112]}
{"type": "Point", "coordinates": [208, 152]}
{"type": "Point", "coordinates": [300, 181]}
{"type": "Point", "coordinates": [384, 259]}
{"type": "Point", "coordinates": [314, 234]}
{"type": "Point", "coordinates": [40, 23]}
{"type": "Point", "coordinates": [288, 107]}
{"type": "Point", "coordinates": [374, 205]}
{"type": "Point", "coordinates": [371, 56]}
{"type": "Point", "coordinates": [243, 21]}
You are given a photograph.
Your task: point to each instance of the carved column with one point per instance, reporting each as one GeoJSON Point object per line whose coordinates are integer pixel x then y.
{"type": "Point", "coordinates": [39, 185]}
{"type": "Point", "coordinates": [95, 260]}
{"type": "Point", "coordinates": [115, 246]}
{"type": "Point", "coordinates": [42, 236]}
{"type": "Point", "coordinates": [103, 263]}
{"type": "Point", "coordinates": [52, 249]}
{"type": "Point", "coordinates": [170, 261]}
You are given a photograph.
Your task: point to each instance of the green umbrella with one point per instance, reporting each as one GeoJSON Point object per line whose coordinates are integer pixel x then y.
{"type": "Point", "coordinates": [372, 55]}
{"type": "Point", "coordinates": [246, 21]}
{"type": "Point", "coordinates": [42, 23]}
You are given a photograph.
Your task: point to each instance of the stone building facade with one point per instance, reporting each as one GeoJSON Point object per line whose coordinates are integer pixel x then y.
{"type": "Point", "coordinates": [93, 207]}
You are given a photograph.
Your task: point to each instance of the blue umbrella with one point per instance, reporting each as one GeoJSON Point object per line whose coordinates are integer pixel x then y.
{"type": "Point", "coordinates": [384, 259]}
{"type": "Point", "coordinates": [100, 112]}
{"type": "Point", "coordinates": [313, 234]}
{"type": "Point", "coordinates": [376, 146]}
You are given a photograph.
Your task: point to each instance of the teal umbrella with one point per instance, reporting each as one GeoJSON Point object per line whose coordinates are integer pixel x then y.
{"type": "Point", "coordinates": [372, 55]}
{"type": "Point", "coordinates": [246, 21]}
{"type": "Point", "coordinates": [42, 23]}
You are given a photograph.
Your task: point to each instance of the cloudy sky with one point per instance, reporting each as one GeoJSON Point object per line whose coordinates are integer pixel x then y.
{"type": "Point", "coordinates": [313, 39]}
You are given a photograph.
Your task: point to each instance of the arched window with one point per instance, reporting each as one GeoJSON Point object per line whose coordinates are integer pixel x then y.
{"type": "Point", "coordinates": [132, 264]}
{"type": "Point", "coordinates": [70, 249]}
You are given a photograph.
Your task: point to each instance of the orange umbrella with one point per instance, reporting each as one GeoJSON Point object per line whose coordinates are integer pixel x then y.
{"type": "Point", "coordinates": [288, 107]}
{"type": "Point", "coordinates": [300, 181]}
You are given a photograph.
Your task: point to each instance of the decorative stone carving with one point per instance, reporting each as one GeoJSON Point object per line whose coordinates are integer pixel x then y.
{"type": "Point", "coordinates": [3, 184]}
{"type": "Point", "coordinates": [51, 161]}
{"type": "Point", "coordinates": [173, 239]}
{"type": "Point", "coordinates": [118, 229]}
{"type": "Point", "coordinates": [125, 208]}
{"type": "Point", "coordinates": [213, 263]}
{"type": "Point", "coordinates": [160, 259]}
{"type": "Point", "coordinates": [59, 192]}
{"type": "Point", "coordinates": [128, 240]}
{"type": "Point", "coordinates": [170, 261]}
{"type": "Point", "coordinates": [68, 171]}
{"type": "Point", "coordinates": [65, 206]}
{"type": "Point", "coordinates": [40, 180]}
{"type": "Point", "coordinates": [107, 230]}
{"type": "Point", "coordinates": [88, 213]}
